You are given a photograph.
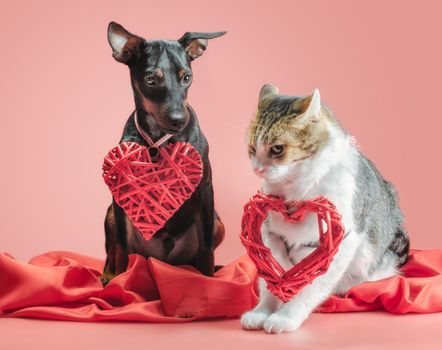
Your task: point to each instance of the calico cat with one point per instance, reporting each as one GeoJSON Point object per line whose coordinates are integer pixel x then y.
{"type": "Point", "coordinates": [300, 150]}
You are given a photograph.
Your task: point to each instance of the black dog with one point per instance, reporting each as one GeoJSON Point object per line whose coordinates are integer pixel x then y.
{"type": "Point", "coordinates": [160, 74]}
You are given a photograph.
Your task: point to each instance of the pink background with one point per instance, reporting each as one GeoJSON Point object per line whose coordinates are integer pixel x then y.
{"type": "Point", "coordinates": [64, 101]}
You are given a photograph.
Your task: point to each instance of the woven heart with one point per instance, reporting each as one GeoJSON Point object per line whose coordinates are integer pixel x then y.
{"type": "Point", "coordinates": [151, 188]}
{"type": "Point", "coordinates": [285, 284]}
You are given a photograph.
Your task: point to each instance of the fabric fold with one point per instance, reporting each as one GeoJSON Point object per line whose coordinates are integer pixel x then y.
{"type": "Point", "coordinates": [66, 286]}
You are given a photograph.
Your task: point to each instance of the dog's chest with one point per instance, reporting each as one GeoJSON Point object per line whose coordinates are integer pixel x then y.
{"type": "Point", "coordinates": [164, 245]}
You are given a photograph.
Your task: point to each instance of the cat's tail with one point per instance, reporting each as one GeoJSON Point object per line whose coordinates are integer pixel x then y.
{"type": "Point", "coordinates": [400, 246]}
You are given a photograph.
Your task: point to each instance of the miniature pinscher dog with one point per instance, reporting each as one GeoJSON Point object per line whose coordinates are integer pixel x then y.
{"type": "Point", "coordinates": [161, 74]}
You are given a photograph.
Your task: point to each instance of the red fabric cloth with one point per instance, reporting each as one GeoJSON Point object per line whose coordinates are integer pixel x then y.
{"type": "Point", "coordinates": [64, 286]}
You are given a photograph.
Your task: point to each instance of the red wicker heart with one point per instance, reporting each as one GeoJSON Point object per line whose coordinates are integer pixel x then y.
{"type": "Point", "coordinates": [151, 188]}
{"type": "Point", "coordinates": [286, 284]}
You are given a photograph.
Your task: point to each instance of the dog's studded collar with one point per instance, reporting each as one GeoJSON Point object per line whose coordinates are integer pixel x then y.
{"type": "Point", "coordinates": [146, 136]}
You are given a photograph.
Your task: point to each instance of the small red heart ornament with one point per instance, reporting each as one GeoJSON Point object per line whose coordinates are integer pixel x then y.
{"type": "Point", "coordinates": [285, 284]}
{"type": "Point", "coordinates": [152, 186]}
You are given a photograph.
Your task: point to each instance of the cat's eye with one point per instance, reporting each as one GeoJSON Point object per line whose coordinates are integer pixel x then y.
{"type": "Point", "coordinates": [252, 150]}
{"type": "Point", "coordinates": [276, 150]}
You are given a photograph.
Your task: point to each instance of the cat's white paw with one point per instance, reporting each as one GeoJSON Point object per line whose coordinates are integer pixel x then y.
{"type": "Point", "coordinates": [277, 323]}
{"type": "Point", "coordinates": [254, 319]}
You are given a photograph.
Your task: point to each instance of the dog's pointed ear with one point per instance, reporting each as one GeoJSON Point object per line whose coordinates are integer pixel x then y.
{"type": "Point", "coordinates": [125, 45]}
{"type": "Point", "coordinates": [196, 43]}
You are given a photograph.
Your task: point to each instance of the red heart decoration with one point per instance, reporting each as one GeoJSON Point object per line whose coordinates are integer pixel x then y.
{"type": "Point", "coordinates": [286, 284]}
{"type": "Point", "coordinates": [151, 188]}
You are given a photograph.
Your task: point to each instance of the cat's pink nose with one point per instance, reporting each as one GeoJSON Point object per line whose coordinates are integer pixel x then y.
{"type": "Point", "coordinates": [259, 171]}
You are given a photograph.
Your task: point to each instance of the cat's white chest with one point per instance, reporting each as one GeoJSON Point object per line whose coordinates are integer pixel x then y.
{"type": "Point", "coordinates": [337, 186]}
{"type": "Point", "coordinates": [294, 233]}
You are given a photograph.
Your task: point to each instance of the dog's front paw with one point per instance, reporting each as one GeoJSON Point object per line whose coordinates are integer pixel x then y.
{"type": "Point", "coordinates": [254, 319]}
{"type": "Point", "coordinates": [277, 323]}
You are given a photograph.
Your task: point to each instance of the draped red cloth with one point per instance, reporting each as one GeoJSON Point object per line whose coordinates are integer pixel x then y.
{"type": "Point", "coordinates": [65, 286]}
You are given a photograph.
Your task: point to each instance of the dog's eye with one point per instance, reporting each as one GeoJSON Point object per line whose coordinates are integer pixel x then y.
{"type": "Point", "coordinates": [150, 79]}
{"type": "Point", "coordinates": [276, 150]}
{"type": "Point", "coordinates": [187, 78]}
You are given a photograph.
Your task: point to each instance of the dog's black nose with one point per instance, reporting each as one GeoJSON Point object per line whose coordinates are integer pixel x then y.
{"type": "Point", "coordinates": [176, 121]}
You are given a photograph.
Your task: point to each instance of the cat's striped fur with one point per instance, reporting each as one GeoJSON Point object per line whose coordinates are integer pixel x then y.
{"type": "Point", "coordinates": [300, 150]}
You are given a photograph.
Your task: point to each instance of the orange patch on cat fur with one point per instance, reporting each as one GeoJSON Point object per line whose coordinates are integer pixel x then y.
{"type": "Point", "coordinates": [301, 140]}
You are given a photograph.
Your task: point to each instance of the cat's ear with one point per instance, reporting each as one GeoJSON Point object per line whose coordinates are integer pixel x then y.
{"type": "Point", "coordinates": [267, 91]}
{"type": "Point", "coordinates": [311, 106]}
{"type": "Point", "coordinates": [125, 45]}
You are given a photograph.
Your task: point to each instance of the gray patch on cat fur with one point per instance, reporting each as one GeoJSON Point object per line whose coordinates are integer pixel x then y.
{"type": "Point", "coordinates": [377, 214]}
